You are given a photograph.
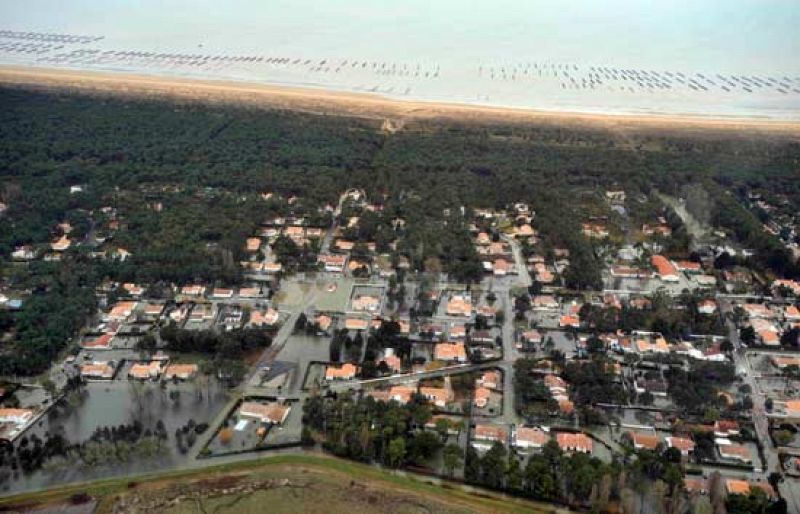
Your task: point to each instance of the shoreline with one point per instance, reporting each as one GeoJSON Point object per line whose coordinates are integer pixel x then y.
{"type": "Point", "coordinates": [393, 112]}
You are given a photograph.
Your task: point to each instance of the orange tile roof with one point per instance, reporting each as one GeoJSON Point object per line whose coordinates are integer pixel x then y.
{"type": "Point", "coordinates": [554, 381]}
{"type": "Point", "coordinates": [11, 414]}
{"type": "Point", "coordinates": [97, 369]}
{"type": "Point", "coordinates": [144, 371]}
{"type": "Point", "coordinates": [490, 432]}
{"type": "Point", "coordinates": [268, 413]}
{"type": "Point", "coordinates": [769, 337]}
{"type": "Point", "coordinates": [491, 377]}
{"type": "Point", "coordinates": [783, 361]}
{"type": "Point", "coordinates": [574, 442]}
{"type": "Point", "coordinates": [694, 485]}
{"type": "Point", "coordinates": [450, 352]}
{"type": "Point", "coordinates": [122, 310]}
{"type": "Point", "coordinates": [688, 265]}
{"type": "Point", "coordinates": [180, 370]}
{"type": "Point", "coordinates": [735, 451]}
{"type": "Point", "coordinates": [569, 321]}
{"type": "Point", "coordinates": [439, 395]}
{"type": "Point", "coordinates": [393, 362]}
{"type": "Point", "coordinates": [248, 292]}
{"type": "Point", "coordinates": [566, 406]}
{"type": "Point", "coordinates": [268, 317]}
{"type": "Point", "coordinates": [533, 436]}
{"type": "Point", "coordinates": [323, 321]}
{"type": "Point", "coordinates": [459, 306]}
{"type": "Point", "coordinates": [366, 303]}
{"type": "Point", "coordinates": [736, 486]}
{"type": "Point", "coordinates": [345, 371]}
{"type": "Point", "coordinates": [401, 394]}
{"type": "Point", "coordinates": [664, 267]}
{"type": "Point", "coordinates": [482, 396]}
{"type": "Point", "coordinates": [253, 244]}
{"type": "Point", "coordinates": [681, 443]}
{"type": "Point", "coordinates": [104, 341]}
{"type": "Point", "coordinates": [61, 244]}
{"type": "Point", "coordinates": [646, 441]}
{"type": "Point", "coordinates": [356, 324]}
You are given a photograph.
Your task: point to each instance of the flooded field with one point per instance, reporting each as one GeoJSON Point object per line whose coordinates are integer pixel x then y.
{"type": "Point", "coordinates": [116, 403]}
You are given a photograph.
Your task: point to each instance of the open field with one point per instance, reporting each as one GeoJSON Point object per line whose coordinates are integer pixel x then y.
{"type": "Point", "coordinates": [287, 483]}
{"type": "Point", "coordinates": [395, 113]}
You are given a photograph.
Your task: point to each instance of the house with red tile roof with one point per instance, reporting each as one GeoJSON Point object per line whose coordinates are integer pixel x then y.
{"type": "Point", "coordinates": [481, 397]}
{"type": "Point", "coordinates": [569, 321]}
{"type": "Point", "coordinates": [733, 452]}
{"type": "Point", "coordinates": [393, 362]}
{"type": "Point", "coordinates": [758, 310]}
{"type": "Point", "coordinates": [180, 371]}
{"type": "Point", "coordinates": [267, 318]}
{"type": "Point", "coordinates": [490, 379]}
{"type": "Point", "coordinates": [271, 413]}
{"type": "Point", "coordinates": [544, 302]}
{"type": "Point", "coordinates": [525, 438]}
{"type": "Point", "coordinates": [737, 486]}
{"type": "Point", "coordinates": [102, 342]}
{"type": "Point", "coordinates": [695, 485]}
{"type": "Point", "coordinates": [122, 310]}
{"type": "Point", "coordinates": [485, 433]}
{"type": "Point", "coordinates": [459, 305]}
{"type": "Point", "coordinates": [570, 442]}
{"type": "Point", "coordinates": [685, 446]}
{"type": "Point", "coordinates": [333, 263]}
{"type": "Point", "coordinates": [194, 290]}
{"type": "Point", "coordinates": [688, 266]}
{"type": "Point", "coordinates": [643, 441]}
{"type": "Point", "coordinates": [726, 428]}
{"type": "Point", "coordinates": [346, 371]}
{"type": "Point", "coordinates": [439, 396]}
{"type": "Point", "coordinates": [356, 324]}
{"type": "Point", "coordinates": [791, 313]}
{"type": "Point", "coordinates": [97, 370]}
{"type": "Point", "coordinates": [149, 371]}
{"type": "Point", "coordinates": [450, 352]}
{"type": "Point", "coordinates": [253, 244]}
{"type": "Point", "coordinates": [666, 271]}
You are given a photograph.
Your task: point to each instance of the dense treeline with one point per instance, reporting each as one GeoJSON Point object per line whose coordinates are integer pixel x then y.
{"type": "Point", "coordinates": [64, 297]}
{"type": "Point", "coordinates": [770, 252]}
{"type": "Point", "coordinates": [225, 349]}
{"type": "Point", "coordinates": [45, 148]}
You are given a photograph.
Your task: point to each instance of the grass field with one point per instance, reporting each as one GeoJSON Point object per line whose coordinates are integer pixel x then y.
{"type": "Point", "coordinates": [283, 483]}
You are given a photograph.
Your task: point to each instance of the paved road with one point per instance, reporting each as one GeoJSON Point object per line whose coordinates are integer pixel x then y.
{"type": "Point", "coordinates": [524, 278]}
{"type": "Point", "coordinates": [788, 489]}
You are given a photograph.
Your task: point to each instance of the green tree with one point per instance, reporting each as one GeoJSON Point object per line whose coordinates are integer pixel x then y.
{"type": "Point", "coordinates": [397, 452]}
{"type": "Point", "coordinates": [451, 458]}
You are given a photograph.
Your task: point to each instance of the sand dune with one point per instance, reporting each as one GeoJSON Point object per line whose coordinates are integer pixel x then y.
{"type": "Point", "coordinates": [366, 105]}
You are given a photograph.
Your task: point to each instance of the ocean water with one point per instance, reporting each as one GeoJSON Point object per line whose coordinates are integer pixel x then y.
{"type": "Point", "coordinates": [706, 58]}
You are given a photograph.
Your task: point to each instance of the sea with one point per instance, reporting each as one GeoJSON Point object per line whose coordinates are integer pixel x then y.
{"type": "Point", "coordinates": [715, 58]}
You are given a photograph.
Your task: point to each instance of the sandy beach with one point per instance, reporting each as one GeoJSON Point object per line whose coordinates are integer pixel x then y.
{"type": "Point", "coordinates": [394, 113]}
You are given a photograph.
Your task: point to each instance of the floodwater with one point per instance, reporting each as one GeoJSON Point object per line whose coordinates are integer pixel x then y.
{"type": "Point", "coordinates": [715, 57]}
{"type": "Point", "coordinates": [121, 402]}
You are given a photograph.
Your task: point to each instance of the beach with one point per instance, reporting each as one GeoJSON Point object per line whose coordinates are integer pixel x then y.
{"type": "Point", "coordinates": [393, 112]}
